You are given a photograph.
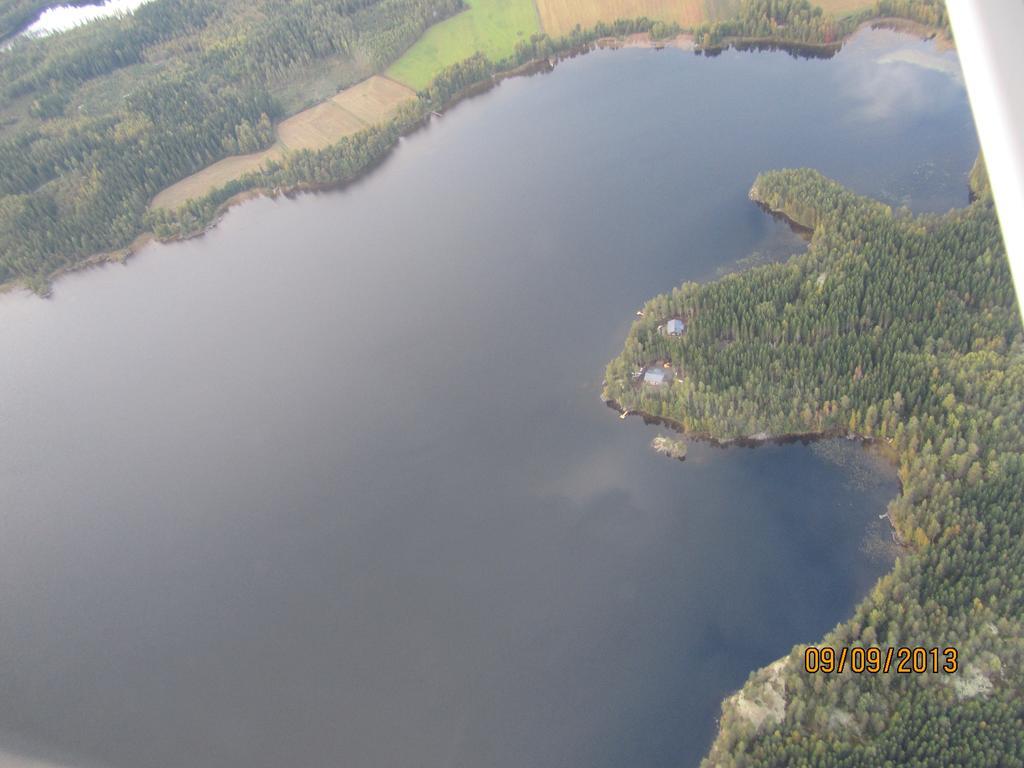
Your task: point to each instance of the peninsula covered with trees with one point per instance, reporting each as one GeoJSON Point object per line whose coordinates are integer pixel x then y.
{"type": "Point", "coordinates": [903, 330]}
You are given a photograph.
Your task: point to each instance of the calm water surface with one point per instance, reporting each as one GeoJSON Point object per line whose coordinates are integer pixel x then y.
{"type": "Point", "coordinates": [332, 485]}
{"type": "Point", "coordinates": [61, 18]}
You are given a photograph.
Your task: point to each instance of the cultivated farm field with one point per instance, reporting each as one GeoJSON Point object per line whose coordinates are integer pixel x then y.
{"type": "Point", "coordinates": [840, 8]}
{"type": "Point", "coordinates": [372, 101]}
{"type": "Point", "coordinates": [213, 176]}
{"type": "Point", "coordinates": [492, 27]}
{"type": "Point", "coordinates": [559, 17]}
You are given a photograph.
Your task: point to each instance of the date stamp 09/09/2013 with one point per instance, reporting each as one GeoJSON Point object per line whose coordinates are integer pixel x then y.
{"type": "Point", "coordinates": [905, 660]}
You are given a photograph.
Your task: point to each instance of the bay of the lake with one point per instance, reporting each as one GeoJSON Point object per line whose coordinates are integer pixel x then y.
{"type": "Point", "coordinates": [333, 486]}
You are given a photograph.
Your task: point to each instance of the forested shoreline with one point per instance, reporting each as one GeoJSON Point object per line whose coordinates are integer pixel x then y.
{"type": "Point", "coordinates": [797, 21]}
{"type": "Point", "coordinates": [903, 330]}
{"type": "Point", "coordinates": [76, 178]}
{"type": "Point", "coordinates": [95, 123]}
{"type": "Point", "coordinates": [352, 156]}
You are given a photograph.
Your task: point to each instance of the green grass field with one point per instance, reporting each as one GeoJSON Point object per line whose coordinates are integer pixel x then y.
{"type": "Point", "coordinates": [490, 26]}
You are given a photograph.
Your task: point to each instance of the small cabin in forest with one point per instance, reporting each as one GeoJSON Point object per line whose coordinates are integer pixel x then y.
{"type": "Point", "coordinates": [675, 327]}
{"type": "Point", "coordinates": [657, 377]}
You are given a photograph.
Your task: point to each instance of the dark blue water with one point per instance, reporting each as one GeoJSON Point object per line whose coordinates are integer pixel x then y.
{"type": "Point", "coordinates": [333, 485]}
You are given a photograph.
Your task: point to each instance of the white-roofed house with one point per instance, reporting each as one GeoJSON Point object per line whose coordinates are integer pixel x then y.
{"type": "Point", "coordinates": [656, 376]}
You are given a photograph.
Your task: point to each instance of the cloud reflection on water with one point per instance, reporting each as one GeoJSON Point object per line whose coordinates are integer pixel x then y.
{"type": "Point", "coordinates": [897, 91]}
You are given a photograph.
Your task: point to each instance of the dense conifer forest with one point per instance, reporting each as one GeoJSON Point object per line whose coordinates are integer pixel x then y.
{"type": "Point", "coordinates": [903, 330]}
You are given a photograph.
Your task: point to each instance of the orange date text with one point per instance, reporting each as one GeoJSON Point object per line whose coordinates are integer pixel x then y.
{"type": "Point", "coordinates": [904, 660]}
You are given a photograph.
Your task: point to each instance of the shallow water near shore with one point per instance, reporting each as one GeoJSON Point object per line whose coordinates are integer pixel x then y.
{"type": "Point", "coordinates": [333, 483]}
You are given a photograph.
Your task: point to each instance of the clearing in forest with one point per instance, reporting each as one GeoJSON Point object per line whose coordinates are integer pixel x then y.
{"type": "Point", "coordinates": [372, 101]}
{"type": "Point", "coordinates": [559, 17]}
{"type": "Point", "coordinates": [491, 27]}
{"type": "Point", "coordinates": [213, 176]}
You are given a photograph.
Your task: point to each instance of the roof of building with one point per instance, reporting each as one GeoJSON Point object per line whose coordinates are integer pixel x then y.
{"type": "Point", "coordinates": [675, 325]}
{"type": "Point", "coordinates": [655, 375]}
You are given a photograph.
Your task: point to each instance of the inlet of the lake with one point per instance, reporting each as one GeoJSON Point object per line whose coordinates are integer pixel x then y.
{"type": "Point", "coordinates": [333, 486]}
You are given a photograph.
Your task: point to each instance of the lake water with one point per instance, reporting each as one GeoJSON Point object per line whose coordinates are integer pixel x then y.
{"type": "Point", "coordinates": [333, 485]}
{"type": "Point", "coordinates": [61, 18]}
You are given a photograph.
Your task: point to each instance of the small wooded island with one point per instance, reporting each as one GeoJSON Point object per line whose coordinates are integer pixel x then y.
{"type": "Point", "coordinates": [669, 446]}
{"type": "Point", "coordinates": [900, 329]}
